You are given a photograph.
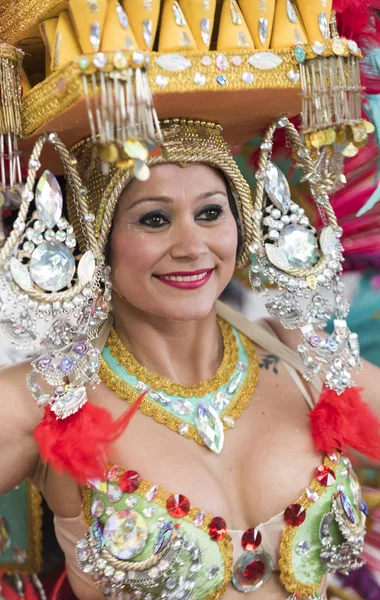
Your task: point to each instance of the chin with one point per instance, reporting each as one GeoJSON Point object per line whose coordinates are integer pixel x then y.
{"type": "Point", "coordinates": [193, 309]}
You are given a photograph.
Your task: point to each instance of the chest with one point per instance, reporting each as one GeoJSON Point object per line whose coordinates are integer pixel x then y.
{"type": "Point", "coordinates": [269, 450]}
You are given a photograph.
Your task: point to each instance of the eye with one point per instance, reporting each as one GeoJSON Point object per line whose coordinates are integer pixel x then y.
{"type": "Point", "coordinates": [210, 213]}
{"type": "Point", "coordinates": [154, 220]}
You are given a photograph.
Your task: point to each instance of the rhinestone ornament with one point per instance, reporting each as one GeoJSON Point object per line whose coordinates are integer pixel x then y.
{"type": "Point", "coordinates": [177, 506]}
{"type": "Point", "coordinates": [129, 481]}
{"type": "Point", "coordinates": [325, 476]}
{"type": "Point", "coordinates": [295, 515]}
{"type": "Point", "coordinates": [217, 528]}
{"type": "Point", "coordinates": [251, 539]}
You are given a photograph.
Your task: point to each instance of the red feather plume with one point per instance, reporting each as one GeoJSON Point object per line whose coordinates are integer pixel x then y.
{"type": "Point", "coordinates": [345, 421]}
{"type": "Point", "coordinates": [78, 444]}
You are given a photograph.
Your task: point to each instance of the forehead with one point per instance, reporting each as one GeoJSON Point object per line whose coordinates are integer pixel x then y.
{"type": "Point", "coordinates": [171, 180]}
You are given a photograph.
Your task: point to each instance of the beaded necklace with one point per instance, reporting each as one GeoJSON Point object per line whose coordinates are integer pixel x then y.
{"type": "Point", "coordinates": [202, 412]}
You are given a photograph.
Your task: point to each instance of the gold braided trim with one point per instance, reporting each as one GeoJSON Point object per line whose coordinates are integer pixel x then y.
{"type": "Point", "coordinates": [287, 575]}
{"type": "Point", "coordinates": [21, 16]}
{"type": "Point", "coordinates": [227, 367]}
{"type": "Point", "coordinates": [150, 408]}
{"type": "Point", "coordinates": [10, 53]}
{"type": "Point", "coordinates": [225, 545]}
{"type": "Point", "coordinates": [44, 102]}
{"type": "Point", "coordinates": [34, 552]}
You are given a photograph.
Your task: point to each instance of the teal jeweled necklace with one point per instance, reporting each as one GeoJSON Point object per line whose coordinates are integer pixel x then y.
{"type": "Point", "coordinates": [202, 412]}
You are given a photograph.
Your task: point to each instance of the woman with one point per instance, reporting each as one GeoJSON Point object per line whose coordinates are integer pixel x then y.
{"type": "Point", "coordinates": [173, 247]}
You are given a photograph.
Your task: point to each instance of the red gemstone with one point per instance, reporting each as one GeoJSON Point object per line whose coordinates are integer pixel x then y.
{"type": "Point", "coordinates": [129, 481]}
{"type": "Point", "coordinates": [325, 476]}
{"type": "Point", "coordinates": [254, 572]}
{"type": "Point", "coordinates": [295, 514]}
{"type": "Point", "coordinates": [217, 528]}
{"type": "Point", "coordinates": [251, 539]}
{"type": "Point", "coordinates": [177, 506]}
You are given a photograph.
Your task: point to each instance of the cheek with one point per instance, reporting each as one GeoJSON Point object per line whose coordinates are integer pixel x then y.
{"type": "Point", "coordinates": [131, 253]}
{"type": "Point", "coordinates": [227, 241]}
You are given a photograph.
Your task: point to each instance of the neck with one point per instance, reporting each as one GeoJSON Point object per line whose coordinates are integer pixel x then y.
{"type": "Point", "coordinates": [185, 352]}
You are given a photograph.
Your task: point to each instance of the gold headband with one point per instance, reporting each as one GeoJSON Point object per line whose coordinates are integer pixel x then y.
{"type": "Point", "coordinates": [184, 142]}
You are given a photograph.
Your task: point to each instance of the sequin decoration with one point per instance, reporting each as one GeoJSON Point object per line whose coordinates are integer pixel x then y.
{"type": "Point", "coordinates": [129, 481]}
{"type": "Point", "coordinates": [177, 506]}
{"type": "Point", "coordinates": [251, 539]}
{"type": "Point", "coordinates": [347, 507]}
{"type": "Point", "coordinates": [217, 528]}
{"type": "Point", "coordinates": [163, 537]}
{"type": "Point", "coordinates": [125, 534]}
{"type": "Point", "coordinates": [325, 476]}
{"type": "Point", "coordinates": [5, 535]}
{"type": "Point", "coordinates": [251, 571]}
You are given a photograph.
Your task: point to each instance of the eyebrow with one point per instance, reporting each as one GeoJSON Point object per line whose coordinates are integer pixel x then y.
{"type": "Point", "coordinates": [168, 200]}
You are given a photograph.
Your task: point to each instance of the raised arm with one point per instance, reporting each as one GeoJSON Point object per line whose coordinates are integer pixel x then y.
{"type": "Point", "coordinates": [19, 415]}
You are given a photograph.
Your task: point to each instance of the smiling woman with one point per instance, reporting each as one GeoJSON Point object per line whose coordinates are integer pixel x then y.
{"type": "Point", "coordinates": [185, 505]}
{"type": "Point", "coordinates": [182, 236]}
{"type": "Point", "coordinates": [169, 435]}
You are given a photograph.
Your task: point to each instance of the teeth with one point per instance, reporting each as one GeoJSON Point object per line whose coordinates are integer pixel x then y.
{"type": "Point", "coordinates": [185, 277]}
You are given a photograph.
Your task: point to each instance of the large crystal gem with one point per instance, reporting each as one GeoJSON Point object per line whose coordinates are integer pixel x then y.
{"type": "Point", "coordinates": [299, 245]}
{"type": "Point", "coordinates": [210, 427]}
{"type": "Point", "coordinates": [251, 571]}
{"type": "Point", "coordinates": [48, 199]}
{"type": "Point", "coordinates": [125, 534]}
{"type": "Point", "coordinates": [277, 187]}
{"type": "Point", "coordinates": [52, 266]}
{"type": "Point", "coordinates": [5, 539]}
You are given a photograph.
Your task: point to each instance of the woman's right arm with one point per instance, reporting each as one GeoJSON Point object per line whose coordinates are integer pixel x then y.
{"type": "Point", "coordinates": [19, 415]}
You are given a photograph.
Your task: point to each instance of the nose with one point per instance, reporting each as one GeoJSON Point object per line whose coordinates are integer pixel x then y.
{"type": "Point", "coordinates": [189, 241]}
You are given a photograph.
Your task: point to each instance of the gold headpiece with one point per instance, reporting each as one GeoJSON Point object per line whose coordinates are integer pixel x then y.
{"type": "Point", "coordinates": [184, 143]}
{"type": "Point", "coordinates": [102, 68]}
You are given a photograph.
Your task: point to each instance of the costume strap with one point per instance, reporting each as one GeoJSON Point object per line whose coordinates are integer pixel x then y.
{"type": "Point", "coordinates": [262, 334]}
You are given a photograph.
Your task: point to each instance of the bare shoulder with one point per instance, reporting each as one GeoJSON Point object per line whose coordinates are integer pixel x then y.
{"type": "Point", "coordinates": [19, 415]}
{"type": "Point", "coordinates": [15, 395]}
{"type": "Point", "coordinates": [290, 337]}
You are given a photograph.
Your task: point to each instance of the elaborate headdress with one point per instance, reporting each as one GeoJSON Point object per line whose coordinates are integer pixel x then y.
{"type": "Point", "coordinates": [103, 74]}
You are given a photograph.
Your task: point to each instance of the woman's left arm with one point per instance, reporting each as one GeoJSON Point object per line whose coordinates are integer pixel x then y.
{"type": "Point", "coordinates": [368, 380]}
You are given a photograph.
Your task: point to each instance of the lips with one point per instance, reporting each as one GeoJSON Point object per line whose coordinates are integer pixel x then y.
{"type": "Point", "coordinates": [186, 279]}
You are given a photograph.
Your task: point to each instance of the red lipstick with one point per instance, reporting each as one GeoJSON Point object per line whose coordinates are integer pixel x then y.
{"type": "Point", "coordinates": [186, 280]}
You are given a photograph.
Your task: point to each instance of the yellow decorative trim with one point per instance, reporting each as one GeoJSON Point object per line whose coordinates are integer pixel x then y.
{"type": "Point", "coordinates": [34, 551]}
{"type": "Point", "coordinates": [287, 575]}
{"type": "Point", "coordinates": [151, 408]}
{"type": "Point", "coordinates": [225, 545]}
{"type": "Point", "coordinates": [42, 104]}
{"type": "Point", "coordinates": [227, 367]}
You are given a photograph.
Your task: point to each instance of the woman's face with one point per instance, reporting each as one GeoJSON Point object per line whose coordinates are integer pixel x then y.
{"type": "Point", "coordinates": [174, 242]}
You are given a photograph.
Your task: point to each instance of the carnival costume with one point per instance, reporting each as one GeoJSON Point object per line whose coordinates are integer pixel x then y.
{"type": "Point", "coordinates": [129, 86]}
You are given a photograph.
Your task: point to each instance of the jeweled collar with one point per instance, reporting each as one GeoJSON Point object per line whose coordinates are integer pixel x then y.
{"type": "Point", "coordinates": [201, 412]}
